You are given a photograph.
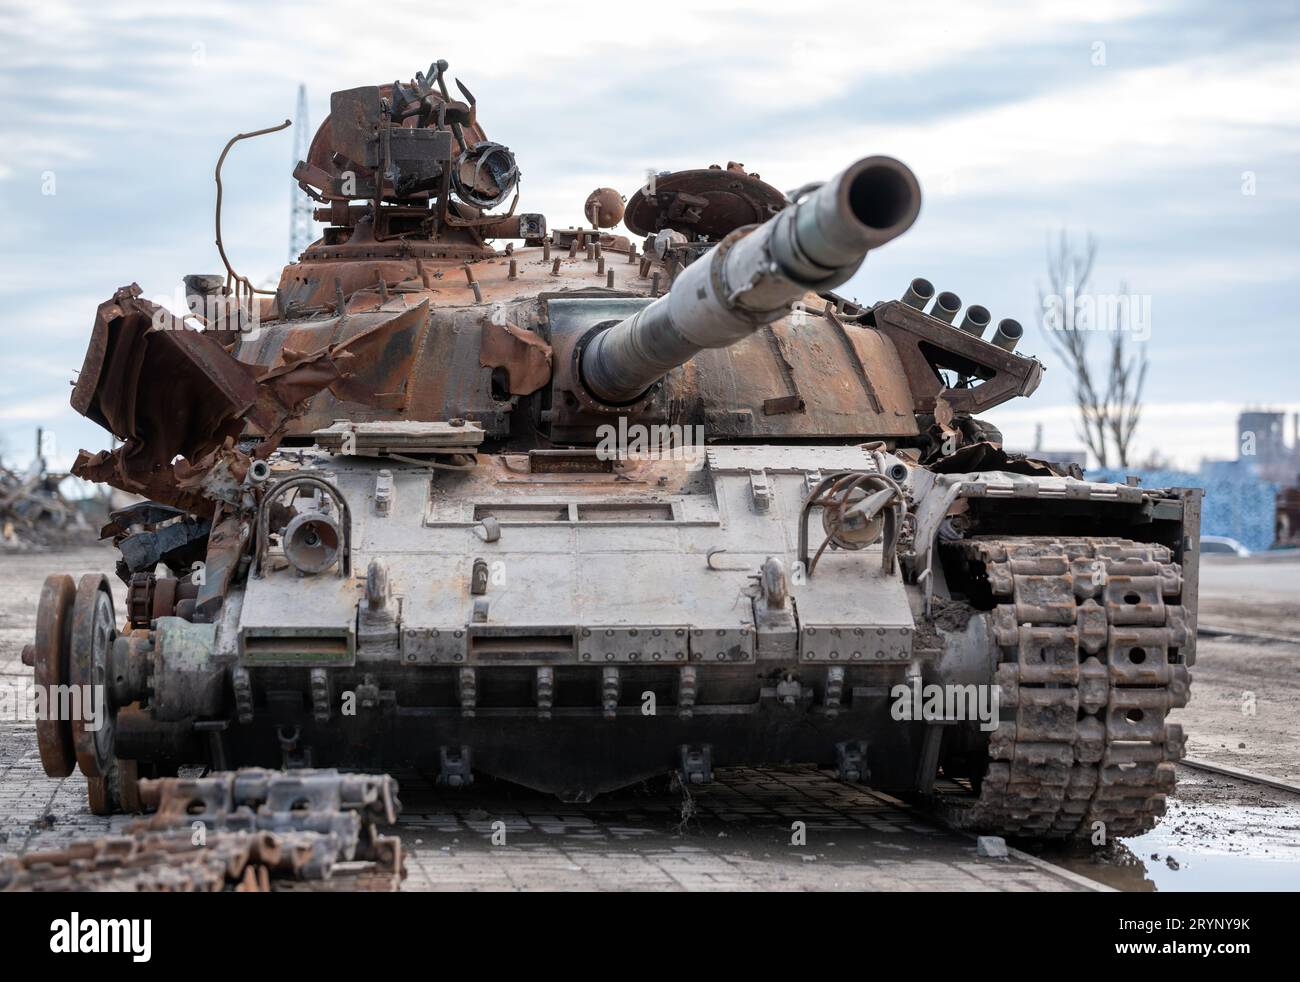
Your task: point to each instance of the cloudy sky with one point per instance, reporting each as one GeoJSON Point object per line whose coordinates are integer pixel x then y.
{"type": "Point", "coordinates": [1169, 130]}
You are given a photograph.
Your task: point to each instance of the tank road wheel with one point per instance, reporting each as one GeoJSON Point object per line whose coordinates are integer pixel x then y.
{"type": "Point", "coordinates": [128, 786]}
{"type": "Point", "coordinates": [1091, 634]}
{"type": "Point", "coordinates": [50, 664]}
{"type": "Point", "coordinates": [93, 633]}
{"type": "Point", "coordinates": [118, 791]}
{"type": "Point", "coordinates": [99, 795]}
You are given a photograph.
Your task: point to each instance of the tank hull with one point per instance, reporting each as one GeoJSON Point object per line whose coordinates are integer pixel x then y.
{"type": "Point", "coordinates": [586, 633]}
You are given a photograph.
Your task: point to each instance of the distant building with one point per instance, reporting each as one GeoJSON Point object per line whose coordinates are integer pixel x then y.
{"type": "Point", "coordinates": [1262, 446]}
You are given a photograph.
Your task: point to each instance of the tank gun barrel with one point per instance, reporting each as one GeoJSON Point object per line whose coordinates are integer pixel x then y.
{"type": "Point", "coordinates": [754, 276]}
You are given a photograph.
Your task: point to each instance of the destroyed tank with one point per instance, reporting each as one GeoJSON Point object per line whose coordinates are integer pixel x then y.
{"type": "Point", "coordinates": [578, 508]}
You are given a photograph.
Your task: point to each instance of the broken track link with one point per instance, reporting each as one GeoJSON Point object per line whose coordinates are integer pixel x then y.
{"type": "Point", "coordinates": [1091, 635]}
{"type": "Point", "coordinates": [246, 830]}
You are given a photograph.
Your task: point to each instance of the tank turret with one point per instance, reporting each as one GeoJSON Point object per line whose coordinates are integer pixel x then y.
{"type": "Point", "coordinates": [753, 276]}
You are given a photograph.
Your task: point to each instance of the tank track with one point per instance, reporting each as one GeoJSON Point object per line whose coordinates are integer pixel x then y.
{"type": "Point", "coordinates": [1091, 634]}
{"type": "Point", "coordinates": [263, 830]}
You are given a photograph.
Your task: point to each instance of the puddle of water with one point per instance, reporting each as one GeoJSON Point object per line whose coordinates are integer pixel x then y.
{"type": "Point", "coordinates": [1221, 847]}
{"type": "Point", "coordinates": [1221, 873]}
{"type": "Point", "coordinates": [1213, 847]}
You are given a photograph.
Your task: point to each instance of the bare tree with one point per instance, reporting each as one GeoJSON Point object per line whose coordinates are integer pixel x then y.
{"type": "Point", "coordinates": [1108, 417]}
{"type": "Point", "coordinates": [1128, 375]}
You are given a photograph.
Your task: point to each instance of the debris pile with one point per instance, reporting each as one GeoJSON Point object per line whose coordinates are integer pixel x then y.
{"type": "Point", "coordinates": [34, 514]}
{"type": "Point", "coordinates": [249, 830]}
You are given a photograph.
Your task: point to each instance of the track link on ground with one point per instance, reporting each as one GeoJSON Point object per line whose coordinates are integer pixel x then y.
{"type": "Point", "coordinates": [250, 830]}
{"type": "Point", "coordinates": [1091, 633]}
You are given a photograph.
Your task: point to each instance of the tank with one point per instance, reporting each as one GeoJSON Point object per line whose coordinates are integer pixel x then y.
{"type": "Point", "coordinates": [582, 507]}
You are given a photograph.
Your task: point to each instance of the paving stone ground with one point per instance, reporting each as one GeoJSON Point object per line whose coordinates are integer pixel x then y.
{"type": "Point", "coordinates": [740, 836]}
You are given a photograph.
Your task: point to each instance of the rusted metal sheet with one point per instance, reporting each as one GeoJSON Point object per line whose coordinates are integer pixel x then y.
{"type": "Point", "coordinates": [140, 357]}
{"type": "Point", "coordinates": [524, 356]}
{"type": "Point", "coordinates": [128, 384]}
{"type": "Point", "coordinates": [378, 346]}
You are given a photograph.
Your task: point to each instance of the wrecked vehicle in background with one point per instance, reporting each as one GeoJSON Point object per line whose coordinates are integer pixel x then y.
{"type": "Point", "coordinates": [35, 514]}
{"type": "Point", "coordinates": [596, 507]}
